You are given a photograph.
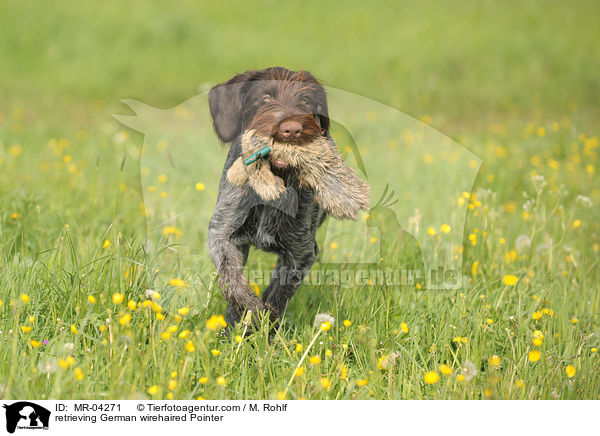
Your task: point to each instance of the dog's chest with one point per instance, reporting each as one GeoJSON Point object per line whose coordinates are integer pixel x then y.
{"type": "Point", "coordinates": [281, 228]}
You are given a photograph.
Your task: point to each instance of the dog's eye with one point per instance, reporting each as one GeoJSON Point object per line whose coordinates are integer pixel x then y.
{"type": "Point", "coordinates": [266, 97]}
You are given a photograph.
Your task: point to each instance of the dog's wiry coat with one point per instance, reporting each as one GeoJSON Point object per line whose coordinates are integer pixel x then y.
{"type": "Point", "coordinates": [319, 167]}
{"type": "Point", "coordinates": [273, 207]}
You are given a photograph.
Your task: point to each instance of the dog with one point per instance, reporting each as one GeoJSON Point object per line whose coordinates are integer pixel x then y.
{"type": "Point", "coordinates": [278, 205]}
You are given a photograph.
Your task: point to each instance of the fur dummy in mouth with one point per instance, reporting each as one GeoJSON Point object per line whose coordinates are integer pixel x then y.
{"type": "Point", "coordinates": [319, 166]}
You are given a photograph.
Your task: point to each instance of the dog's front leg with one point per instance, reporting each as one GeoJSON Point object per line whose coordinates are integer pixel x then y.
{"type": "Point", "coordinates": [287, 278]}
{"type": "Point", "coordinates": [229, 261]}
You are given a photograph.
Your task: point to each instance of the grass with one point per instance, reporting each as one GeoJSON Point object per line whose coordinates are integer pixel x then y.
{"type": "Point", "coordinates": [513, 83]}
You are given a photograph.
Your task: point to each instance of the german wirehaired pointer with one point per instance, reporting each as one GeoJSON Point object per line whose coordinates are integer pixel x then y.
{"type": "Point", "coordinates": [282, 176]}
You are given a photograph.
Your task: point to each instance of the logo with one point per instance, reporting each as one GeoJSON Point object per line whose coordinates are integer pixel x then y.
{"type": "Point", "coordinates": [26, 415]}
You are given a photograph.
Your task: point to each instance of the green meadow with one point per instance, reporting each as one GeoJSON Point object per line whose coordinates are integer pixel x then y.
{"type": "Point", "coordinates": [105, 293]}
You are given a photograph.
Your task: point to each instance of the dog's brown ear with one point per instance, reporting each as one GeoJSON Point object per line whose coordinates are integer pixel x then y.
{"type": "Point", "coordinates": [225, 101]}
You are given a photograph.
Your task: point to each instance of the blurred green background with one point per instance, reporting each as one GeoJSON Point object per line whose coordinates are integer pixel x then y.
{"type": "Point", "coordinates": [462, 63]}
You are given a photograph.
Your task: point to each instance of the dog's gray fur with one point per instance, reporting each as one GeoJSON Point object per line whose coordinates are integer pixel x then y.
{"type": "Point", "coordinates": [286, 226]}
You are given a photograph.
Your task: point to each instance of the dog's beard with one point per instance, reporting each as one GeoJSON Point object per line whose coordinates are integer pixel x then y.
{"type": "Point", "coordinates": [317, 165]}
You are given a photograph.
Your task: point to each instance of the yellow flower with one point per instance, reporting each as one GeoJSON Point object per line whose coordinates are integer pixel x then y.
{"type": "Point", "coordinates": [184, 334]}
{"type": "Point", "coordinates": [35, 343]}
{"type": "Point", "coordinates": [431, 377]}
{"type": "Point", "coordinates": [170, 230]}
{"type": "Point", "coordinates": [334, 246]}
{"type": "Point", "coordinates": [183, 311]}
{"type": "Point", "coordinates": [216, 322]}
{"type": "Point", "coordinates": [215, 352]}
{"type": "Point", "coordinates": [474, 268]}
{"type": "Point", "coordinates": [325, 383]}
{"type": "Point", "coordinates": [166, 335]}
{"type": "Point", "coordinates": [534, 355]}
{"type": "Point", "coordinates": [178, 283]}
{"type": "Point", "coordinates": [445, 369]}
{"type": "Point", "coordinates": [160, 316]}
{"type": "Point", "coordinates": [495, 360]}
{"type": "Point", "coordinates": [314, 360]}
{"type": "Point", "coordinates": [172, 328]}
{"type": "Point", "coordinates": [117, 298]}
{"type": "Point", "coordinates": [163, 178]}
{"type": "Point", "coordinates": [362, 382]}
{"type": "Point", "coordinates": [347, 323]}
{"type": "Point", "coordinates": [66, 363]}
{"type": "Point", "coordinates": [92, 299]}
{"type": "Point", "coordinates": [25, 298]}
{"type": "Point", "coordinates": [431, 231]}
{"type": "Point", "coordinates": [460, 377]}
{"type": "Point", "coordinates": [74, 329]}
{"type": "Point", "coordinates": [299, 371]}
{"type": "Point", "coordinates": [106, 244]}
{"type": "Point", "coordinates": [403, 327]}
{"type": "Point", "coordinates": [221, 381]}
{"type": "Point", "coordinates": [298, 348]}
{"type": "Point", "coordinates": [574, 320]}
{"type": "Point", "coordinates": [570, 370]}
{"type": "Point", "coordinates": [200, 186]}
{"type": "Point", "coordinates": [576, 224]}
{"type": "Point", "coordinates": [25, 328]}
{"type": "Point", "coordinates": [174, 374]}
{"type": "Point", "coordinates": [170, 396]}
{"type": "Point", "coordinates": [238, 338]}
{"type": "Point", "coordinates": [78, 374]}
{"type": "Point", "coordinates": [520, 383]}
{"type": "Point", "coordinates": [446, 228]}
{"type": "Point", "coordinates": [125, 319]}
{"type": "Point", "coordinates": [203, 380]}
{"type": "Point", "coordinates": [255, 288]}
{"type": "Point", "coordinates": [326, 326]}
{"type": "Point", "coordinates": [132, 305]}
{"type": "Point", "coordinates": [172, 384]}
{"type": "Point", "coordinates": [328, 352]}
{"type": "Point", "coordinates": [489, 321]}
{"type": "Point", "coordinates": [538, 341]}
{"type": "Point", "coordinates": [153, 390]}
{"type": "Point", "coordinates": [510, 280]}
{"type": "Point", "coordinates": [537, 315]}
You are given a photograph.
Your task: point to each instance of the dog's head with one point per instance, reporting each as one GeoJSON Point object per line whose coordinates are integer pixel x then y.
{"type": "Point", "coordinates": [285, 105]}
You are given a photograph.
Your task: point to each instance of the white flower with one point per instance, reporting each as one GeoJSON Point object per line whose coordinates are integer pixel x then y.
{"type": "Point", "coordinates": [538, 182]}
{"type": "Point", "coordinates": [523, 242]}
{"type": "Point", "coordinates": [69, 347]}
{"type": "Point", "coordinates": [47, 366]}
{"type": "Point", "coordinates": [584, 201]}
{"type": "Point", "coordinates": [321, 318]}
{"type": "Point", "coordinates": [468, 370]}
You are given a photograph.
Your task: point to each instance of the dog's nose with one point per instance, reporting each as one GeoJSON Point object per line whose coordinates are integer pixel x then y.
{"type": "Point", "coordinates": [290, 129]}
